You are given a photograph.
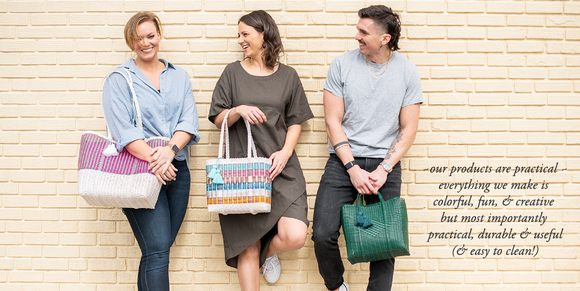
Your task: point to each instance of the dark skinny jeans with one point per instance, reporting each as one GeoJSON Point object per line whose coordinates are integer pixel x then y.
{"type": "Point", "coordinates": [336, 190]}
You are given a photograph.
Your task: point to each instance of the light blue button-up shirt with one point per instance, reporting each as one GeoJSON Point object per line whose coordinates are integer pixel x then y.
{"type": "Point", "coordinates": [163, 112]}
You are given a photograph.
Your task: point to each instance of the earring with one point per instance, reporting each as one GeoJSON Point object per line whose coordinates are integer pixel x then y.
{"type": "Point", "coordinates": [263, 45]}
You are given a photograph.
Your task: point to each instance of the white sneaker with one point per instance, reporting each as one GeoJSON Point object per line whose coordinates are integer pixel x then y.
{"type": "Point", "coordinates": [272, 268]}
{"type": "Point", "coordinates": [343, 287]}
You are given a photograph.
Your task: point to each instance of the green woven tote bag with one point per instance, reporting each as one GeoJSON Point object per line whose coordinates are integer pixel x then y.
{"type": "Point", "coordinates": [377, 231]}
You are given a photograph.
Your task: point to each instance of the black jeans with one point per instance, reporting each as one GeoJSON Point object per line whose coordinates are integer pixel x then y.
{"type": "Point", "coordinates": [336, 190]}
{"type": "Point", "coordinates": [156, 229]}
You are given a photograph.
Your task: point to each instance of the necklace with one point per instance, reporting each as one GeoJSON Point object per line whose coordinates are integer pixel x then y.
{"type": "Point", "coordinates": [372, 68]}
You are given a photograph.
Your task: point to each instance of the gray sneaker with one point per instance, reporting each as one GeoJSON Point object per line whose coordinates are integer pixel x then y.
{"type": "Point", "coordinates": [271, 269]}
{"type": "Point", "coordinates": [343, 287]}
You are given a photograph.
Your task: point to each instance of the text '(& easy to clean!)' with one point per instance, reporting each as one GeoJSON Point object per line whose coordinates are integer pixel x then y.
{"type": "Point", "coordinates": [518, 221]}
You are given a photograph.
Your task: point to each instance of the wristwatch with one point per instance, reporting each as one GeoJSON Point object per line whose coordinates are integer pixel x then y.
{"type": "Point", "coordinates": [174, 148]}
{"type": "Point", "coordinates": [387, 167]}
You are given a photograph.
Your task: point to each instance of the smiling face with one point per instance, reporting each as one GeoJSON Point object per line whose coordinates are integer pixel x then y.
{"type": "Point", "coordinates": [250, 40]}
{"type": "Point", "coordinates": [147, 46]}
{"type": "Point", "coordinates": [370, 38]}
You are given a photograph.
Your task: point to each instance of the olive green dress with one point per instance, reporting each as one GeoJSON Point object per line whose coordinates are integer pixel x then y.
{"type": "Point", "coordinates": [282, 99]}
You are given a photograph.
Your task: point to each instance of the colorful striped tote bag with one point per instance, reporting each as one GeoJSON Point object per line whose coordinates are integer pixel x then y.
{"type": "Point", "coordinates": [238, 185]}
{"type": "Point", "coordinates": [109, 178]}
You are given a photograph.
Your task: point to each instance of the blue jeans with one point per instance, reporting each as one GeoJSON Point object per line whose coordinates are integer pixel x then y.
{"type": "Point", "coordinates": [336, 190]}
{"type": "Point", "coordinates": [156, 229]}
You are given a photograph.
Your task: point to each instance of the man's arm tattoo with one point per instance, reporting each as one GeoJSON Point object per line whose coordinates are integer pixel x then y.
{"type": "Point", "coordinates": [392, 149]}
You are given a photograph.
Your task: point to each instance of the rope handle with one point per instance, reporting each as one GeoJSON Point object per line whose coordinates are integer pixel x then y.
{"type": "Point", "coordinates": [251, 152]}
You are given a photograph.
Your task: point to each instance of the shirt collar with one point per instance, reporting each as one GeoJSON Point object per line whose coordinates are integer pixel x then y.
{"type": "Point", "coordinates": [131, 66]}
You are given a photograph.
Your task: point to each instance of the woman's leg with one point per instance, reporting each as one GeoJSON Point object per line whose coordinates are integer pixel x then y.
{"type": "Point", "coordinates": [155, 230]}
{"type": "Point", "coordinates": [291, 235]}
{"type": "Point", "coordinates": [249, 268]}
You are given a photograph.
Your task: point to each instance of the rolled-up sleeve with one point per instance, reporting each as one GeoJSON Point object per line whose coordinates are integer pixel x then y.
{"type": "Point", "coordinates": [118, 111]}
{"type": "Point", "coordinates": [188, 120]}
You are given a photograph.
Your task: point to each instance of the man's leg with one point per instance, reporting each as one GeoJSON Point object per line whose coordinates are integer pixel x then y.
{"type": "Point", "coordinates": [334, 191]}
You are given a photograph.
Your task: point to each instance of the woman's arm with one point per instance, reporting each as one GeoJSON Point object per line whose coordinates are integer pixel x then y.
{"type": "Point", "coordinates": [252, 114]}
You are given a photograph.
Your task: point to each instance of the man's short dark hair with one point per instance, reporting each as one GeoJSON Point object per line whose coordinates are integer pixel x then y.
{"type": "Point", "coordinates": [386, 21]}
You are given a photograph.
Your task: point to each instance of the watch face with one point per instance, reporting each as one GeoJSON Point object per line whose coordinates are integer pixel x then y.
{"type": "Point", "coordinates": [175, 149]}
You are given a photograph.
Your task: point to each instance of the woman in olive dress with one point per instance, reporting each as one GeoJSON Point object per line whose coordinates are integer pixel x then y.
{"type": "Point", "coordinates": [270, 96]}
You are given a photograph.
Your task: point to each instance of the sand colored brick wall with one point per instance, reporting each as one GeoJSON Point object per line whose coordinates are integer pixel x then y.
{"type": "Point", "coordinates": [501, 85]}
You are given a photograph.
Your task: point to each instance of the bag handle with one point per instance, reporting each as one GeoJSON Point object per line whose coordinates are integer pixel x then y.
{"type": "Point", "coordinates": [225, 132]}
{"type": "Point", "coordinates": [138, 119]}
{"type": "Point", "coordinates": [361, 218]}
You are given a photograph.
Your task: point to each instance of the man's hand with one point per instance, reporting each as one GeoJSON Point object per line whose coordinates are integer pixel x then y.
{"type": "Point", "coordinates": [361, 180]}
{"type": "Point", "coordinates": [381, 178]}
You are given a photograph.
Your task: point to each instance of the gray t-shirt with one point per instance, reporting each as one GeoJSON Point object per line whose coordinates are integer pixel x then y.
{"type": "Point", "coordinates": [372, 103]}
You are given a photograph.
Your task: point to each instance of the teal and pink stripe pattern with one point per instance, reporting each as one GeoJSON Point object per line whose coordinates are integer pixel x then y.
{"type": "Point", "coordinates": [91, 156]}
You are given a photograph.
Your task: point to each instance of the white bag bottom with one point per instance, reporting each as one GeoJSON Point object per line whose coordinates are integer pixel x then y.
{"type": "Point", "coordinates": [126, 191]}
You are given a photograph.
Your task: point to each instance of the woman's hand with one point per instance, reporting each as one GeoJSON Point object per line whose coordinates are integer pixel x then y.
{"type": "Point", "coordinates": [279, 160]}
{"type": "Point", "coordinates": [161, 158]}
{"type": "Point", "coordinates": [252, 114]}
{"type": "Point", "coordinates": [169, 175]}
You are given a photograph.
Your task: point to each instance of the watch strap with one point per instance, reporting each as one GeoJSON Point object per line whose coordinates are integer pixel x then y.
{"type": "Point", "coordinates": [350, 164]}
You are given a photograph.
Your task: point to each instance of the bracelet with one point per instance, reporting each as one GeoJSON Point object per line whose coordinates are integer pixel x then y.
{"type": "Point", "coordinates": [350, 164]}
{"type": "Point", "coordinates": [339, 144]}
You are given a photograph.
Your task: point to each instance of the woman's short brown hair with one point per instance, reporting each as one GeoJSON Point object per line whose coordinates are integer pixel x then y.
{"type": "Point", "coordinates": [261, 21]}
{"type": "Point", "coordinates": [131, 26]}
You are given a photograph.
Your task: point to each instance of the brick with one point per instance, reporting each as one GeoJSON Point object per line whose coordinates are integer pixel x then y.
{"type": "Point", "coordinates": [297, 5]}
{"type": "Point", "coordinates": [525, 20]}
{"type": "Point", "coordinates": [466, 60]}
{"type": "Point", "coordinates": [343, 6]}
{"type": "Point", "coordinates": [46, 45]}
{"type": "Point", "coordinates": [66, 6]}
{"type": "Point", "coordinates": [179, 6]}
{"type": "Point", "coordinates": [27, 6]}
{"type": "Point", "coordinates": [181, 32]}
{"type": "Point", "coordinates": [564, 73]}
{"type": "Point", "coordinates": [525, 47]}
{"type": "Point", "coordinates": [544, 7]}
{"type": "Point", "coordinates": [14, 19]}
{"type": "Point", "coordinates": [445, 46]}
{"type": "Point", "coordinates": [463, 113]}
{"type": "Point", "coordinates": [223, 6]}
{"type": "Point", "coordinates": [572, 34]}
{"type": "Point", "coordinates": [563, 48]}
{"type": "Point", "coordinates": [527, 99]}
{"type": "Point", "coordinates": [304, 32]}
{"type": "Point", "coordinates": [426, 32]}
{"type": "Point", "coordinates": [17, 45]}
{"type": "Point", "coordinates": [546, 138]}
{"type": "Point", "coordinates": [553, 86]}
{"type": "Point", "coordinates": [504, 7]}
{"type": "Point", "coordinates": [484, 19]}
{"type": "Point", "coordinates": [525, 73]}
{"type": "Point", "coordinates": [446, 20]}
{"type": "Point", "coordinates": [425, 6]}
{"type": "Point", "coordinates": [466, 33]}
{"type": "Point", "coordinates": [562, 21]}
{"type": "Point", "coordinates": [506, 33]}
{"type": "Point", "coordinates": [528, 125]}
{"type": "Point", "coordinates": [449, 73]}
{"type": "Point", "coordinates": [489, 86]}
{"type": "Point", "coordinates": [324, 19]}
{"type": "Point", "coordinates": [465, 7]}
{"type": "Point", "coordinates": [340, 32]}
{"type": "Point", "coordinates": [505, 112]}
{"type": "Point", "coordinates": [507, 138]}
{"type": "Point", "coordinates": [250, 5]}
{"type": "Point", "coordinates": [544, 60]}
{"type": "Point", "coordinates": [546, 33]}
{"type": "Point", "coordinates": [489, 125]}
{"type": "Point", "coordinates": [488, 73]}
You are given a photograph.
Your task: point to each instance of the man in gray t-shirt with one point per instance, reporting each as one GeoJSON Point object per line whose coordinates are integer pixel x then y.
{"type": "Point", "coordinates": [371, 105]}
